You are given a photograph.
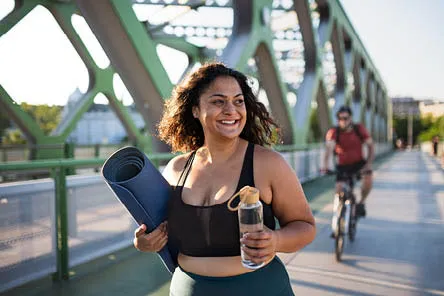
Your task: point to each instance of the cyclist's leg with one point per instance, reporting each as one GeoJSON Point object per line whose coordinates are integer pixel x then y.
{"type": "Point", "coordinates": [366, 181]}
{"type": "Point", "coordinates": [341, 171]}
{"type": "Point", "coordinates": [366, 185]}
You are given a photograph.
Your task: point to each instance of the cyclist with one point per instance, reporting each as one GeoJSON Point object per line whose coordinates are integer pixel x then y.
{"type": "Point", "coordinates": [346, 142]}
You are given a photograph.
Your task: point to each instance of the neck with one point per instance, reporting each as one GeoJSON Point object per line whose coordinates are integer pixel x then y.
{"type": "Point", "coordinates": [219, 151]}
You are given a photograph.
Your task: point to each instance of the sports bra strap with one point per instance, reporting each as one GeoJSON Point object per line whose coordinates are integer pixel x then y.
{"type": "Point", "coordinates": [186, 170]}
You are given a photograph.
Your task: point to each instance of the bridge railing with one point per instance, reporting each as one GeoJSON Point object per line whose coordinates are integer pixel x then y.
{"type": "Point", "coordinates": [50, 225]}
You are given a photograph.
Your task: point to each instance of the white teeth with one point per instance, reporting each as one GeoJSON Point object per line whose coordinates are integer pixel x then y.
{"type": "Point", "coordinates": [228, 121]}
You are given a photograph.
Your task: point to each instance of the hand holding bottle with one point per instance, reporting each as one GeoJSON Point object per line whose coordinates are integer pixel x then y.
{"type": "Point", "coordinates": [260, 246]}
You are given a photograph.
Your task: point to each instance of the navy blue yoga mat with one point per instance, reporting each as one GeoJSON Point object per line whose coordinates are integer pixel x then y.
{"type": "Point", "coordinates": [142, 189]}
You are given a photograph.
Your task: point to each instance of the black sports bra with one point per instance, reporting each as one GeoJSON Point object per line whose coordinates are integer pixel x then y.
{"type": "Point", "coordinates": [210, 231]}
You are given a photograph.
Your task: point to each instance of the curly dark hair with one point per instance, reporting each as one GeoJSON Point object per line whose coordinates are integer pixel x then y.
{"type": "Point", "coordinates": [183, 133]}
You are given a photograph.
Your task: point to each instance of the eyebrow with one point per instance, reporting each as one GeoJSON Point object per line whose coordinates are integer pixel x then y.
{"type": "Point", "coordinates": [224, 96]}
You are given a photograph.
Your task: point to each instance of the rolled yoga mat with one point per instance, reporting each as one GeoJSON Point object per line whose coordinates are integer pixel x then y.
{"type": "Point", "coordinates": [144, 192]}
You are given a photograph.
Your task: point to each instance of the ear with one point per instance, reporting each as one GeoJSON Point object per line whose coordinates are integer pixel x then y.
{"type": "Point", "coordinates": [195, 111]}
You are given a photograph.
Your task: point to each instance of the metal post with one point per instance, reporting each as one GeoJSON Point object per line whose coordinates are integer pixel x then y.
{"type": "Point", "coordinates": [96, 154]}
{"type": "Point", "coordinates": [61, 206]}
{"type": "Point", "coordinates": [96, 150]}
{"type": "Point", "coordinates": [69, 153]}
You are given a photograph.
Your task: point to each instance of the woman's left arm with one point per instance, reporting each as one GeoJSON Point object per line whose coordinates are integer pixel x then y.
{"type": "Point", "coordinates": [280, 185]}
{"type": "Point", "coordinates": [290, 206]}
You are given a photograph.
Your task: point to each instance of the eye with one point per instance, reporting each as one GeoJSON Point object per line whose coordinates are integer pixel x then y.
{"type": "Point", "coordinates": [239, 102]}
{"type": "Point", "coordinates": [218, 102]}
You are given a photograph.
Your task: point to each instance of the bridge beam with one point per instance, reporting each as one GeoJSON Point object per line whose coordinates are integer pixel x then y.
{"type": "Point", "coordinates": [133, 55]}
{"type": "Point", "coordinates": [252, 37]}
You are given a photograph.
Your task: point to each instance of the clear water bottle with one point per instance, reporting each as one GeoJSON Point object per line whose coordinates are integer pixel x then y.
{"type": "Point", "coordinates": [347, 216]}
{"type": "Point", "coordinates": [250, 218]}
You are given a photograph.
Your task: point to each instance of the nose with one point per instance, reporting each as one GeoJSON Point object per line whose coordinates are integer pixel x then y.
{"type": "Point", "coordinates": [229, 108]}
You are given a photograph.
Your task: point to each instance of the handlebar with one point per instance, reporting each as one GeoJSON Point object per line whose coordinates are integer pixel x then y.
{"type": "Point", "coordinates": [329, 172]}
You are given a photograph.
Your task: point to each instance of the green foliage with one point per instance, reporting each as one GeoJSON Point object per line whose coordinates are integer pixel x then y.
{"type": "Point", "coordinates": [400, 124]}
{"type": "Point", "coordinates": [434, 127]}
{"type": "Point", "coordinates": [47, 117]}
{"type": "Point", "coordinates": [424, 129]}
{"type": "Point", "coordinates": [427, 121]}
{"type": "Point", "coordinates": [14, 137]}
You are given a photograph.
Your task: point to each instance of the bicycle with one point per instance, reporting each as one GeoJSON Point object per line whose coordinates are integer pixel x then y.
{"type": "Point", "coordinates": [344, 221]}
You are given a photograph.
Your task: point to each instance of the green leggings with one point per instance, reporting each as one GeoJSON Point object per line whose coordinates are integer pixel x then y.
{"type": "Point", "coordinates": [270, 280]}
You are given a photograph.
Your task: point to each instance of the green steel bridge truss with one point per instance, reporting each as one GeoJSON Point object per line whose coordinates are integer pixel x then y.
{"type": "Point", "coordinates": [304, 54]}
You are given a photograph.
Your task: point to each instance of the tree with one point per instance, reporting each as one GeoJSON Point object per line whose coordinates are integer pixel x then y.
{"type": "Point", "coordinates": [433, 127]}
{"type": "Point", "coordinates": [400, 125]}
{"type": "Point", "coordinates": [424, 128]}
{"type": "Point", "coordinates": [14, 137]}
{"type": "Point", "coordinates": [47, 117]}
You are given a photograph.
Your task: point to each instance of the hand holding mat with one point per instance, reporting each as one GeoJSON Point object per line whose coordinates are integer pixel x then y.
{"type": "Point", "coordinates": [142, 189]}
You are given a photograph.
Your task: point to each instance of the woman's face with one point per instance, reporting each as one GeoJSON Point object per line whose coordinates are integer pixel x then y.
{"type": "Point", "coordinates": [221, 109]}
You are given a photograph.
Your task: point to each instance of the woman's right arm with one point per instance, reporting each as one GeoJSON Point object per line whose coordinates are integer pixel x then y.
{"type": "Point", "coordinates": [153, 241]}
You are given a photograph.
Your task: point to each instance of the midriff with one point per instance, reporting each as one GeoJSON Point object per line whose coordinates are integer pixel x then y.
{"type": "Point", "coordinates": [213, 266]}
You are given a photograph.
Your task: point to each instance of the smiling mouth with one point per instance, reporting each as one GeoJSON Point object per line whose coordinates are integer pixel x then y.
{"type": "Point", "coordinates": [229, 122]}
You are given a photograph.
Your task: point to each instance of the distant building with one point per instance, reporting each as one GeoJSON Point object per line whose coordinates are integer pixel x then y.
{"type": "Point", "coordinates": [403, 106]}
{"type": "Point", "coordinates": [432, 107]}
{"type": "Point", "coordinates": [100, 125]}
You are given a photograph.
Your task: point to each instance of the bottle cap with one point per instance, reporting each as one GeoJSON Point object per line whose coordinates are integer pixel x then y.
{"type": "Point", "coordinates": [248, 195]}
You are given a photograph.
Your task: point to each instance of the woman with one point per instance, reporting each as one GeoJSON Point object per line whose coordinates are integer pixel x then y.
{"type": "Point", "coordinates": [215, 115]}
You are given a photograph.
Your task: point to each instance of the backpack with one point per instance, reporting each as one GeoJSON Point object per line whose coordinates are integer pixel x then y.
{"type": "Point", "coordinates": [355, 129]}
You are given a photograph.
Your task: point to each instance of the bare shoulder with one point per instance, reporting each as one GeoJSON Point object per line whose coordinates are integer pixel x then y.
{"type": "Point", "coordinates": [175, 167]}
{"type": "Point", "coordinates": [280, 186]}
{"type": "Point", "coordinates": [269, 159]}
{"type": "Point", "coordinates": [272, 168]}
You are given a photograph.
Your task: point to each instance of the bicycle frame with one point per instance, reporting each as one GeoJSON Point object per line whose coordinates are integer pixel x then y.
{"type": "Point", "coordinates": [344, 220]}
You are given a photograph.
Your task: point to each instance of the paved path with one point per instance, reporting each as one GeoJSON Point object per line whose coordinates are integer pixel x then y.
{"type": "Point", "coordinates": [399, 248]}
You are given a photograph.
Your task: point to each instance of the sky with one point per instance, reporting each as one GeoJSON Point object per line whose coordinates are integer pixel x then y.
{"type": "Point", "coordinates": [404, 38]}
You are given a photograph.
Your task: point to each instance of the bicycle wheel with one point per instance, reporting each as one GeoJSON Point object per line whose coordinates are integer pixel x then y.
{"type": "Point", "coordinates": [339, 240]}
